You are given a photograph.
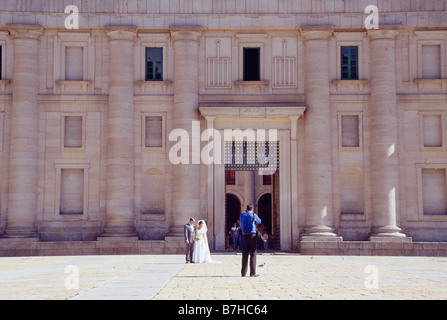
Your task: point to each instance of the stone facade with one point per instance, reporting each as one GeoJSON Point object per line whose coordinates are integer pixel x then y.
{"type": "Point", "coordinates": [85, 148]}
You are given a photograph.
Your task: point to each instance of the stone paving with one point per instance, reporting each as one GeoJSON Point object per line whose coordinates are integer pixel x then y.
{"type": "Point", "coordinates": [167, 277]}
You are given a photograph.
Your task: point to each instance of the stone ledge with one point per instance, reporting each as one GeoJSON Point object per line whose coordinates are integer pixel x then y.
{"type": "Point", "coordinates": [17, 248]}
{"type": "Point", "coordinates": [369, 248]}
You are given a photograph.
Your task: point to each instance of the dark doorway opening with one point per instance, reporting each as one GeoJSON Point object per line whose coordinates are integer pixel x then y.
{"type": "Point", "coordinates": [232, 211]}
{"type": "Point", "coordinates": [265, 211]}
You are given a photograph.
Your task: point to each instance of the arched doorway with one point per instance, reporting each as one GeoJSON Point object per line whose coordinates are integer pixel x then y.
{"type": "Point", "coordinates": [232, 211]}
{"type": "Point", "coordinates": [270, 219]}
{"type": "Point", "coordinates": [265, 211]}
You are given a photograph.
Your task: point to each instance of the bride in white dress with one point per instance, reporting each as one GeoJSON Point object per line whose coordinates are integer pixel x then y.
{"type": "Point", "coordinates": [201, 253]}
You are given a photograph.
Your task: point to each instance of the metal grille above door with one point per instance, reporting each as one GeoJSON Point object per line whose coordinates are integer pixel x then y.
{"type": "Point", "coordinates": [251, 156]}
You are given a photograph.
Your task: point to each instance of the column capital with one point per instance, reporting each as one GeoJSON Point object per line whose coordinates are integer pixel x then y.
{"type": "Point", "coordinates": [121, 33]}
{"type": "Point", "coordinates": [384, 33]}
{"type": "Point", "coordinates": [320, 33]}
{"type": "Point", "coordinates": [186, 33]}
{"type": "Point", "coordinates": [25, 31]}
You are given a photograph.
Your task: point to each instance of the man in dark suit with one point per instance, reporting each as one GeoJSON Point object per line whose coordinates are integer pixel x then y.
{"type": "Point", "coordinates": [248, 221]}
{"type": "Point", "coordinates": [189, 239]}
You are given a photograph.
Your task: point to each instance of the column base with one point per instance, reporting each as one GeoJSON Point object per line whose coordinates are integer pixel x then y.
{"type": "Point", "coordinates": [118, 233]}
{"type": "Point", "coordinates": [175, 233]}
{"type": "Point", "coordinates": [26, 233]}
{"type": "Point", "coordinates": [388, 234]}
{"type": "Point", "coordinates": [320, 233]}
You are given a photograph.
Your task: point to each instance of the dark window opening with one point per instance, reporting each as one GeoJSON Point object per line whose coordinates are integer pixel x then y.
{"type": "Point", "coordinates": [349, 63]}
{"type": "Point", "coordinates": [230, 178]}
{"type": "Point", "coordinates": [252, 64]}
{"type": "Point", "coordinates": [154, 64]}
{"type": "Point", "coordinates": [267, 180]}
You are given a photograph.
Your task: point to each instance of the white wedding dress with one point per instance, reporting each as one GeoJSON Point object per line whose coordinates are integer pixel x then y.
{"type": "Point", "coordinates": [201, 252]}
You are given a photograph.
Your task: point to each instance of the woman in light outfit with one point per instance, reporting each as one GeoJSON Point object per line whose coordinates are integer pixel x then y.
{"type": "Point", "coordinates": [201, 253]}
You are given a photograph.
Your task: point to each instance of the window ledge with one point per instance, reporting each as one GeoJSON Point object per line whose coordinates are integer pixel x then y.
{"type": "Point", "coordinates": [153, 149]}
{"type": "Point", "coordinates": [77, 83]}
{"type": "Point", "coordinates": [421, 82]}
{"type": "Point", "coordinates": [433, 149]}
{"type": "Point", "coordinates": [163, 84]}
{"type": "Point", "coordinates": [339, 84]}
{"type": "Point", "coordinates": [73, 149]}
{"type": "Point", "coordinates": [3, 84]}
{"type": "Point", "coordinates": [351, 149]}
{"type": "Point", "coordinates": [434, 217]}
{"type": "Point", "coordinates": [242, 85]}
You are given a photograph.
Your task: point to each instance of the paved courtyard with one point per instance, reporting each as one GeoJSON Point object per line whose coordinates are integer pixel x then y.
{"type": "Point", "coordinates": [166, 277]}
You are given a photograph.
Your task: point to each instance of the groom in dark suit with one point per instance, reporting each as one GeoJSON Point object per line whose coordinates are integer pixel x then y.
{"type": "Point", "coordinates": [189, 239]}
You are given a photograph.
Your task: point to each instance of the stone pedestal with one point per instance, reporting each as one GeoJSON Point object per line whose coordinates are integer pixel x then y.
{"type": "Point", "coordinates": [120, 143]}
{"type": "Point", "coordinates": [384, 140]}
{"type": "Point", "coordinates": [186, 177]}
{"type": "Point", "coordinates": [23, 168]}
{"type": "Point", "coordinates": [318, 173]}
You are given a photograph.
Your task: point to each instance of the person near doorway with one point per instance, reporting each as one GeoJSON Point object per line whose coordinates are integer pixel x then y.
{"type": "Point", "coordinates": [265, 238]}
{"type": "Point", "coordinates": [189, 239]}
{"type": "Point", "coordinates": [235, 235]}
{"type": "Point", "coordinates": [248, 221]}
{"type": "Point", "coordinates": [239, 235]}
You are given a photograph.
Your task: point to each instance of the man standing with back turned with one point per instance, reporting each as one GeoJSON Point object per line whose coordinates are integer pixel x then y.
{"type": "Point", "coordinates": [248, 221]}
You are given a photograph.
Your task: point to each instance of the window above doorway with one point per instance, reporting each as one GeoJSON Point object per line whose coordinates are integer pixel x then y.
{"type": "Point", "coordinates": [252, 64]}
{"type": "Point", "coordinates": [154, 64]}
{"type": "Point", "coordinates": [349, 62]}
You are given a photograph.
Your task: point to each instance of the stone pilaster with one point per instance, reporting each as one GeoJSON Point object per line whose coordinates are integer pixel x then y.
{"type": "Point", "coordinates": [186, 177]}
{"type": "Point", "coordinates": [249, 188]}
{"type": "Point", "coordinates": [23, 167]}
{"type": "Point", "coordinates": [120, 143]}
{"type": "Point", "coordinates": [318, 170]}
{"type": "Point", "coordinates": [384, 140]}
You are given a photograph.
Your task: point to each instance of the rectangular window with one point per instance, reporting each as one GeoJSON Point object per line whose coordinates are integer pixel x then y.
{"type": "Point", "coordinates": [74, 63]}
{"type": "Point", "coordinates": [72, 191]}
{"type": "Point", "coordinates": [349, 63]}
{"type": "Point", "coordinates": [252, 64]}
{"type": "Point", "coordinates": [350, 134]}
{"type": "Point", "coordinates": [154, 132]}
{"type": "Point", "coordinates": [267, 180]}
{"type": "Point", "coordinates": [154, 64]}
{"type": "Point", "coordinates": [73, 132]}
{"type": "Point", "coordinates": [432, 131]}
{"type": "Point", "coordinates": [230, 178]}
{"type": "Point", "coordinates": [431, 61]}
{"type": "Point", "coordinates": [434, 191]}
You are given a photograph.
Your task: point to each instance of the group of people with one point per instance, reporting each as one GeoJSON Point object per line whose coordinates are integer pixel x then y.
{"type": "Point", "coordinates": [197, 248]}
{"type": "Point", "coordinates": [234, 238]}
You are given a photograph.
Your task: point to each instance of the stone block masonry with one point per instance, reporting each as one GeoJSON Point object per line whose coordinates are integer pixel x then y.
{"type": "Point", "coordinates": [86, 115]}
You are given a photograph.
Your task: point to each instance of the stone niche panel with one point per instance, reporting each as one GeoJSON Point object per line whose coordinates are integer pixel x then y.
{"type": "Point", "coordinates": [218, 62]}
{"type": "Point", "coordinates": [284, 62]}
{"type": "Point", "coordinates": [152, 193]}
